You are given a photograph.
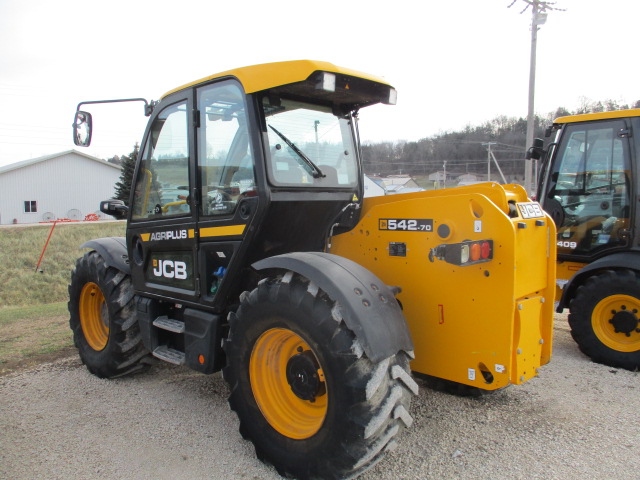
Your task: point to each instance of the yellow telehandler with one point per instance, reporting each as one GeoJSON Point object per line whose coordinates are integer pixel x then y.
{"type": "Point", "coordinates": [249, 249]}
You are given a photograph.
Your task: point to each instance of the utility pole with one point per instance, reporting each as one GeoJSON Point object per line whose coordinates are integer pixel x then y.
{"type": "Point", "coordinates": [444, 175]}
{"type": "Point", "coordinates": [488, 145]}
{"type": "Point", "coordinates": [539, 10]}
{"type": "Point", "coordinates": [535, 21]}
{"type": "Point", "coordinates": [491, 156]}
{"type": "Point", "coordinates": [315, 127]}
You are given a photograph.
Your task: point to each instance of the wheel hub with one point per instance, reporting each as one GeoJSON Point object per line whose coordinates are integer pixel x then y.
{"type": "Point", "coordinates": [302, 376]}
{"type": "Point", "coordinates": [625, 321]}
{"type": "Point", "coordinates": [288, 383]}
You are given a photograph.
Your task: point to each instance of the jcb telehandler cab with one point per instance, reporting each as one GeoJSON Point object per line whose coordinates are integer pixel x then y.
{"type": "Point", "coordinates": [249, 249]}
{"type": "Point", "coordinates": [589, 185]}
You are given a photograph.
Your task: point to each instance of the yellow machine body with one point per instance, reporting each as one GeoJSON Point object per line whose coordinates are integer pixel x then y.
{"type": "Point", "coordinates": [487, 324]}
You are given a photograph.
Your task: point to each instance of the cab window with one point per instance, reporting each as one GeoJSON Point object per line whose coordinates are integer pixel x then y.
{"type": "Point", "coordinates": [309, 146]}
{"type": "Point", "coordinates": [226, 165]}
{"type": "Point", "coordinates": [591, 184]}
{"type": "Point", "coordinates": [162, 184]}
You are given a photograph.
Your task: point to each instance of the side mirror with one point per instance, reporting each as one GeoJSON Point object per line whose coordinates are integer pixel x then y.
{"type": "Point", "coordinates": [537, 151]}
{"type": "Point", "coordinates": [115, 208]}
{"type": "Point", "coordinates": [82, 129]}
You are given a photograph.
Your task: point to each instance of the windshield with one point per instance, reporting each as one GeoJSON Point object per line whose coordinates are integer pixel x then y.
{"type": "Point", "coordinates": [309, 146]}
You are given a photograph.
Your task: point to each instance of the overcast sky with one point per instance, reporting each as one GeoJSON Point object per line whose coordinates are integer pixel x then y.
{"type": "Point", "coordinates": [453, 62]}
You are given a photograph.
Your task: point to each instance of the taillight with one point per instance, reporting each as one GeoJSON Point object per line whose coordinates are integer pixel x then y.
{"type": "Point", "coordinates": [464, 253]}
{"type": "Point", "coordinates": [486, 250]}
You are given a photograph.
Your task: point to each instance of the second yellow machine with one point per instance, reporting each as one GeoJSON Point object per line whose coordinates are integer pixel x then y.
{"type": "Point", "coordinates": [589, 184]}
{"type": "Point", "coordinates": [249, 249]}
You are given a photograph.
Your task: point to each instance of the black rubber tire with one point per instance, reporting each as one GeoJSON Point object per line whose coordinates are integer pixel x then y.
{"type": "Point", "coordinates": [368, 403]}
{"type": "Point", "coordinates": [124, 350]}
{"type": "Point", "coordinates": [609, 284]}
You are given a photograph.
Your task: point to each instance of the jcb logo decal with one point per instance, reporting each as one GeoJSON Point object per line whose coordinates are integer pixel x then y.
{"type": "Point", "coordinates": [170, 269]}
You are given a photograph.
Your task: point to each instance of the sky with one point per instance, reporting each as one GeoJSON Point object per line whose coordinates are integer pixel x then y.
{"type": "Point", "coordinates": [453, 62]}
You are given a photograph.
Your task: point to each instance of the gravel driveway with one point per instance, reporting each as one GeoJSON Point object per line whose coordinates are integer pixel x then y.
{"type": "Point", "coordinates": [578, 420]}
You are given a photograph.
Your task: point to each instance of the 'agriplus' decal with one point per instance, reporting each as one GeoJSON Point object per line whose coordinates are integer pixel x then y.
{"type": "Point", "coordinates": [170, 235]}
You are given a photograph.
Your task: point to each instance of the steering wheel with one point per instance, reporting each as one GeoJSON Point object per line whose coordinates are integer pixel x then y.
{"type": "Point", "coordinates": [555, 211]}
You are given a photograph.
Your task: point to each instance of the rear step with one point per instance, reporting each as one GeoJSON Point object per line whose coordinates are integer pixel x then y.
{"type": "Point", "coordinates": [169, 355]}
{"type": "Point", "coordinates": [169, 324]}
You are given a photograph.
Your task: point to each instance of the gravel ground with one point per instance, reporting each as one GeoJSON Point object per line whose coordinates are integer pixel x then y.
{"type": "Point", "coordinates": [578, 420]}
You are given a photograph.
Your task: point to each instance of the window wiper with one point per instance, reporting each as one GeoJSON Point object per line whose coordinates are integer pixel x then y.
{"type": "Point", "coordinates": [315, 171]}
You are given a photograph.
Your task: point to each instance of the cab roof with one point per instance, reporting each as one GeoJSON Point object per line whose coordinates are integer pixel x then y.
{"type": "Point", "coordinates": [587, 117]}
{"type": "Point", "coordinates": [269, 75]}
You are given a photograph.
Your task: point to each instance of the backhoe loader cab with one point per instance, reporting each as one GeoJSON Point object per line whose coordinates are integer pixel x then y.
{"type": "Point", "coordinates": [588, 183]}
{"type": "Point", "coordinates": [249, 250]}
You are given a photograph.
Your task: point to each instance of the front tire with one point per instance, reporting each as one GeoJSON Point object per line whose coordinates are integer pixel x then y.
{"type": "Point", "coordinates": [102, 318]}
{"type": "Point", "coordinates": [604, 318]}
{"type": "Point", "coordinates": [305, 392]}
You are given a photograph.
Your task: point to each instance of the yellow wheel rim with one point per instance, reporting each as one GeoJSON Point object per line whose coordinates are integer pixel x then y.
{"type": "Point", "coordinates": [617, 312]}
{"type": "Point", "coordinates": [94, 317]}
{"type": "Point", "coordinates": [286, 411]}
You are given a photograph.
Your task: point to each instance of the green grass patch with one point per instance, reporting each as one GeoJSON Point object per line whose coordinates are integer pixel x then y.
{"type": "Point", "coordinates": [10, 315]}
{"type": "Point", "coordinates": [20, 249]}
{"type": "Point", "coordinates": [34, 322]}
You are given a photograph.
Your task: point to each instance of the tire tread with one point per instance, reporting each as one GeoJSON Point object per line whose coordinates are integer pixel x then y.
{"type": "Point", "coordinates": [124, 350]}
{"type": "Point", "coordinates": [382, 394]}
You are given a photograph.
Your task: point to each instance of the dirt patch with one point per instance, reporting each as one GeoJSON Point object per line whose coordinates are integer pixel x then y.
{"type": "Point", "coordinates": [23, 364]}
{"type": "Point", "coordinates": [33, 339]}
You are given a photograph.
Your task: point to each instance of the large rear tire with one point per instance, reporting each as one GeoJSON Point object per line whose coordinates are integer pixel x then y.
{"type": "Point", "coordinates": [305, 392]}
{"type": "Point", "coordinates": [604, 318]}
{"type": "Point", "coordinates": [102, 318]}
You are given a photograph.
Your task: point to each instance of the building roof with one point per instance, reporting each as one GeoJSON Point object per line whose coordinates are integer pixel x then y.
{"type": "Point", "coordinates": [33, 161]}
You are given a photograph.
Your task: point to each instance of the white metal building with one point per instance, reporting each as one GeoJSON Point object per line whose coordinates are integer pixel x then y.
{"type": "Point", "coordinates": [371, 188]}
{"type": "Point", "coordinates": [64, 185]}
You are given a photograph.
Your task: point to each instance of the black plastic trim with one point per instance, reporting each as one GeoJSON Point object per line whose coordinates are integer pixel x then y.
{"type": "Point", "coordinates": [113, 250]}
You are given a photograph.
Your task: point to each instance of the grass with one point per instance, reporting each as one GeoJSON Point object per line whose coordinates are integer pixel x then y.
{"type": "Point", "coordinates": [32, 334]}
{"type": "Point", "coordinates": [20, 249]}
{"type": "Point", "coordinates": [34, 322]}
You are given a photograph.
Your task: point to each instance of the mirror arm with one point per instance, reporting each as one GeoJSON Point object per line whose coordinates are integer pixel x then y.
{"type": "Point", "coordinates": [148, 106]}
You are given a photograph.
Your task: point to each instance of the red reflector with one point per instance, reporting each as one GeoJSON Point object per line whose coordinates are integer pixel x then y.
{"type": "Point", "coordinates": [475, 252]}
{"type": "Point", "coordinates": [201, 359]}
{"type": "Point", "coordinates": [485, 250]}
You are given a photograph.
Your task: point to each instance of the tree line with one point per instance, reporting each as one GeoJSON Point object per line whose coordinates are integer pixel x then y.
{"type": "Point", "coordinates": [466, 150]}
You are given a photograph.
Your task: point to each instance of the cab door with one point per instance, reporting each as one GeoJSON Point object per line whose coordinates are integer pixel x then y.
{"type": "Point", "coordinates": [161, 234]}
{"type": "Point", "coordinates": [226, 181]}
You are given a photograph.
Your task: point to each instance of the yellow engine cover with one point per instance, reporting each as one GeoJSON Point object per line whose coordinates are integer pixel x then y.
{"type": "Point", "coordinates": [487, 324]}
